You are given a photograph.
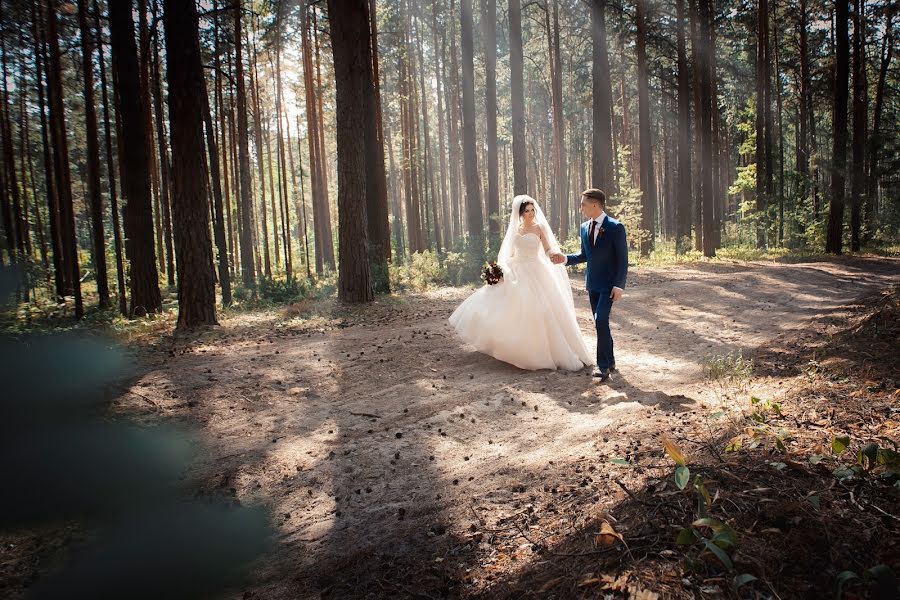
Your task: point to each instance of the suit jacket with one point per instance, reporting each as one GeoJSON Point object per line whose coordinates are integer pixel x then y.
{"type": "Point", "coordinates": [607, 260]}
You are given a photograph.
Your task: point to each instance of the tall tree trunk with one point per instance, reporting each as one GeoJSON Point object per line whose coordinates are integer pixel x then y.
{"type": "Point", "coordinates": [778, 105]}
{"type": "Point", "coordinates": [41, 68]}
{"type": "Point", "coordinates": [684, 202]}
{"type": "Point", "coordinates": [328, 241]}
{"type": "Point", "coordinates": [442, 157]}
{"type": "Point", "coordinates": [258, 141]}
{"type": "Point", "coordinates": [602, 151]}
{"type": "Point", "coordinates": [410, 152]}
{"type": "Point", "coordinates": [763, 118]}
{"type": "Point", "coordinates": [218, 209]}
{"type": "Point", "coordinates": [294, 187]}
{"type": "Point", "coordinates": [378, 223]}
{"type": "Point", "coordinates": [648, 181]}
{"type": "Point", "coordinates": [16, 225]}
{"type": "Point", "coordinates": [475, 221]}
{"type": "Point", "coordinates": [804, 105]}
{"type": "Point", "coordinates": [490, 94]}
{"type": "Point", "coordinates": [397, 212]}
{"type": "Point", "coordinates": [517, 99]}
{"type": "Point", "coordinates": [270, 171]}
{"type": "Point", "coordinates": [697, 206]}
{"type": "Point", "coordinates": [110, 167]}
{"type": "Point", "coordinates": [706, 128]}
{"type": "Point", "coordinates": [350, 43]}
{"type": "Point", "coordinates": [92, 138]}
{"type": "Point", "coordinates": [304, 220]}
{"type": "Point", "coordinates": [147, 104]}
{"type": "Point", "coordinates": [248, 274]}
{"type": "Point", "coordinates": [429, 209]}
{"type": "Point", "coordinates": [216, 175]}
{"type": "Point", "coordinates": [145, 296]}
{"type": "Point", "coordinates": [835, 227]}
{"type": "Point", "coordinates": [875, 141]}
{"type": "Point", "coordinates": [455, 103]}
{"type": "Point", "coordinates": [560, 166]}
{"type": "Point", "coordinates": [315, 166]}
{"type": "Point", "coordinates": [184, 69]}
{"type": "Point", "coordinates": [860, 117]}
{"type": "Point", "coordinates": [279, 104]}
{"type": "Point", "coordinates": [61, 161]}
{"type": "Point", "coordinates": [165, 198]}
{"type": "Point", "coordinates": [222, 119]}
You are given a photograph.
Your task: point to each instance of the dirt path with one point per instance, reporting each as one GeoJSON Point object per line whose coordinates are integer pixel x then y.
{"type": "Point", "coordinates": [378, 439]}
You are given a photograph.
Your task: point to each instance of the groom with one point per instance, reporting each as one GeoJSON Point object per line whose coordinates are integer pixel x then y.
{"type": "Point", "coordinates": [604, 249]}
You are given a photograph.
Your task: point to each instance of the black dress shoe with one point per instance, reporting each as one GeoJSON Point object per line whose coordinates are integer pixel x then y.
{"type": "Point", "coordinates": [602, 374]}
{"type": "Point", "coordinates": [612, 367]}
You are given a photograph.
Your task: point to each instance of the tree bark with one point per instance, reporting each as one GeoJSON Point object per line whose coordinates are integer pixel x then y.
{"type": "Point", "coordinates": [248, 272]}
{"type": "Point", "coordinates": [196, 285]}
{"type": "Point", "coordinates": [145, 296]}
{"type": "Point", "coordinates": [875, 141]}
{"type": "Point", "coordinates": [517, 99]}
{"type": "Point", "coordinates": [805, 107]}
{"type": "Point", "coordinates": [860, 118]}
{"type": "Point", "coordinates": [328, 241]}
{"type": "Point", "coordinates": [442, 155]}
{"type": "Point", "coordinates": [259, 143]}
{"type": "Point", "coordinates": [835, 226]}
{"type": "Point", "coordinates": [602, 152]}
{"type": "Point", "coordinates": [92, 139]}
{"type": "Point", "coordinates": [763, 118]}
{"type": "Point", "coordinates": [561, 179]}
{"type": "Point", "coordinates": [350, 43]}
{"type": "Point", "coordinates": [69, 247]}
{"type": "Point", "coordinates": [110, 167]}
{"type": "Point", "coordinates": [706, 129]}
{"type": "Point", "coordinates": [684, 202]}
{"type": "Point", "coordinates": [475, 221]}
{"type": "Point", "coordinates": [490, 94]}
{"type": "Point", "coordinates": [648, 181]}
{"type": "Point", "coordinates": [165, 198]}
{"type": "Point", "coordinates": [378, 223]}
{"type": "Point", "coordinates": [778, 108]}
{"type": "Point", "coordinates": [215, 176]}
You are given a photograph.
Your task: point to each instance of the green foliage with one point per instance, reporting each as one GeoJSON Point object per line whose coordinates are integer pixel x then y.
{"type": "Point", "coordinates": [626, 205]}
{"type": "Point", "coordinates": [871, 459]}
{"type": "Point", "coordinates": [744, 184]}
{"type": "Point", "coordinates": [422, 271]}
{"type": "Point", "coordinates": [284, 290]}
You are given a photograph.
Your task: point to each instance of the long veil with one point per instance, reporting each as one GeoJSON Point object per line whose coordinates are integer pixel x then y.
{"type": "Point", "coordinates": [560, 275]}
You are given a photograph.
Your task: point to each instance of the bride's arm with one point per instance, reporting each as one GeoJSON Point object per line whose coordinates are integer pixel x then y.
{"type": "Point", "coordinates": [544, 241]}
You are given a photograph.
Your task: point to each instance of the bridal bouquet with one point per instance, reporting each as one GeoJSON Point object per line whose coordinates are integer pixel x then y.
{"type": "Point", "coordinates": [491, 273]}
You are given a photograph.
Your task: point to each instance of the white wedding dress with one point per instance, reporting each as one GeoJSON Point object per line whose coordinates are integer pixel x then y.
{"type": "Point", "coordinates": [528, 318]}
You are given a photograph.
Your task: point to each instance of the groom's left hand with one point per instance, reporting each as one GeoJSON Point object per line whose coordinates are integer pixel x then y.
{"type": "Point", "coordinates": [616, 294]}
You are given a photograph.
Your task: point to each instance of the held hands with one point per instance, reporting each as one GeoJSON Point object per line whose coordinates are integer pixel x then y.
{"type": "Point", "coordinates": [558, 259]}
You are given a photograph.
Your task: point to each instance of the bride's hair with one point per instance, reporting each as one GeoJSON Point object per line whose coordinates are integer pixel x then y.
{"type": "Point", "coordinates": [525, 204]}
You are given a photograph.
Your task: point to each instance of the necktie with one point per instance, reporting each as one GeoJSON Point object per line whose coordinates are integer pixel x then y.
{"type": "Point", "coordinates": [593, 228]}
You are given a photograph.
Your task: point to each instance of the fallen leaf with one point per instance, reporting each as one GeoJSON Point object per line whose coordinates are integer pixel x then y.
{"type": "Point", "coordinates": [608, 535]}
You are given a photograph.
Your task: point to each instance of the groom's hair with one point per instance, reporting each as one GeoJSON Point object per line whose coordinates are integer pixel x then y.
{"type": "Point", "coordinates": [595, 195]}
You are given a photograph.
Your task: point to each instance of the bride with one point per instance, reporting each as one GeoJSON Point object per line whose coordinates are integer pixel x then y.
{"type": "Point", "coordinates": [528, 318]}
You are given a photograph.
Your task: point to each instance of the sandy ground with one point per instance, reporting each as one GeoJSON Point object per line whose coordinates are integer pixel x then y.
{"type": "Point", "coordinates": [379, 440]}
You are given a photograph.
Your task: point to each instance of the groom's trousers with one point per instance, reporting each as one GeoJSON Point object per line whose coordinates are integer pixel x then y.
{"type": "Point", "coordinates": [601, 304]}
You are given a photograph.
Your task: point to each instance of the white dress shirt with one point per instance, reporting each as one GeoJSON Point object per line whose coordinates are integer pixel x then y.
{"type": "Point", "coordinates": [599, 220]}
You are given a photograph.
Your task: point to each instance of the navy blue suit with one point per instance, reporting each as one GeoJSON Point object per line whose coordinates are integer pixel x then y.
{"type": "Point", "coordinates": [607, 267]}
